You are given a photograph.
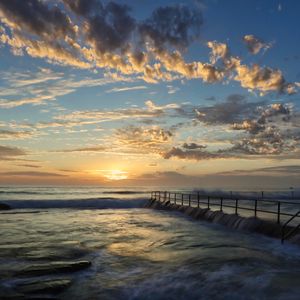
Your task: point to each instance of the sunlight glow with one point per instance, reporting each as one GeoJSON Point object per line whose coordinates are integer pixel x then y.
{"type": "Point", "coordinates": [114, 174]}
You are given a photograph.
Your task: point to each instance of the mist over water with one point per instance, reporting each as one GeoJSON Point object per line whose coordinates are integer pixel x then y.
{"type": "Point", "coordinates": [138, 253]}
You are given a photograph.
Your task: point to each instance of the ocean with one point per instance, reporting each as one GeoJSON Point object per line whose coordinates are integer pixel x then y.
{"type": "Point", "coordinates": [119, 250]}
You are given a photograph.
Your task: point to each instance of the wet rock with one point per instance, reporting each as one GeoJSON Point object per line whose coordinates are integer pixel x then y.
{"type": "Point", "coordinates": [295, 239]}
{"type": "Point", "coordinates": [189, 211]}
{"type": "Point", "coordinates": [200, 213]}
{"type": "Point", "coordinates": [54, 268]}
{"type": "Point", "coordinates": [208, 214]}
{"type": "Point", "coordinates": [270, 229]}
{"type": "Point", "coordinates": [51, 286]}
{"type": "Point", "coordinates": [4, 206]}
{"type": "Point", "coordinates": [7, 293]}
{"type": "Point", "coordinates": [218, 216]}
{"type": "Point", "coordinates": [232, 220]}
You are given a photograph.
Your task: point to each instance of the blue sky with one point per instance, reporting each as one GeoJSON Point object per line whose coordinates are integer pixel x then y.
{"type": "Point", "coordinates": [215, 95]}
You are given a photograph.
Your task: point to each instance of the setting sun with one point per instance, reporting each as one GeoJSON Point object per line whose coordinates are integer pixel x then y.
{"type": "Point", "coordinates": [114, 174]}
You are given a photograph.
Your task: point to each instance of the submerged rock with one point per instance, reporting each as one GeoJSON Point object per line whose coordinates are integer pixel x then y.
{"type": "Point", "coordinates": [54, 268]}
{"type": "Point", "coordinates": [4, 206]}
{"type": "Point", "coordinates": [52, 286]}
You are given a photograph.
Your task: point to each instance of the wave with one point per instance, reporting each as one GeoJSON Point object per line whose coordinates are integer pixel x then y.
{"type": "Point", "coordinates": [98, 203]}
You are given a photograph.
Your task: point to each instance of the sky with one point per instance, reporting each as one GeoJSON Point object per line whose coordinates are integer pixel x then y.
{"type": "Point", "coordinates": [150, 93]}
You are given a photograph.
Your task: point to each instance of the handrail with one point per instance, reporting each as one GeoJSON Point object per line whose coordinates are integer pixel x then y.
{"type": "Point", "coordinates": [284, 235]}
{"type": "Point", "coordinates": [274, 207]}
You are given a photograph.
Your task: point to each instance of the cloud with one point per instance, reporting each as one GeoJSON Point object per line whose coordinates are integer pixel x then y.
{"type": "Point", "coordinates": [11, 153]}
{"type": "Point", "coordinates": [31, 174]}
{"type": "Point", "coordinates": [96, 34]}
{"type": "Point", "coordinates": [44, 85]}
{"type": "Point", "coordinates": [235, 108]}
{"type": "Point", "coordinates": [85, 149]}
{"type": "Point", "coordinates": [267, 130]}
{"type": "Point", "coordinates": [8, 134]}
{"type": "Point", "coordinates": [79, 118]}
{"type": "Point", "coordinates": [144, 139]}
{"type": "Point", "coordinates": [196, 155]}
{"type": "Point", "coordinates": [175, 26]}
{"type": "Point", "coordinates": [286, 170]}
{"type": "Point", "coordinates": [193, 146]}
{"type": "Point", "coordinates": [125, 89]}
{"type": "Point", "coordinates": [29, 166]}
{"type": "Point", "coordinates": [254, 44]}
{"type": "Point", "coordinates": [36, 17]}
{"type": "Point", "coordinates": [263, 79]}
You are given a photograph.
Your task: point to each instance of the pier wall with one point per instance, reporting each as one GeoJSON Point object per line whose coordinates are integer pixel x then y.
{"type": "Point", "coordinates": [232, 221]}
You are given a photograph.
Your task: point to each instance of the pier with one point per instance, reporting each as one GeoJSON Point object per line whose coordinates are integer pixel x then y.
{"type": "Point", "coordinates": [277, 218]}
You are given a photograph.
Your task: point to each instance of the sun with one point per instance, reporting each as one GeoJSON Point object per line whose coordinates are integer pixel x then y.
{"type": "Point", "coordinates": [115, 174]}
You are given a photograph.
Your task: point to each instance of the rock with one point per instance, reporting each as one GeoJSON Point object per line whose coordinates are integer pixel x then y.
{"type": "Point", "coordinates": [218, 216]}
{"type": "Point", "coordinates": [189, 211]}
{"type": "Point", "coordinates": [4, 206]}
{"type": "Point", "coordinates": [52, 286]}
{"type": "Point", "coordinates": [295, 239]}
{"type": "Point", "coordinates": [54, 268]}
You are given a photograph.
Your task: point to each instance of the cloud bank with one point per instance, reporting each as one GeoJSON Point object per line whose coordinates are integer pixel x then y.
{"type": "Point", "coordinates": [92, 34]}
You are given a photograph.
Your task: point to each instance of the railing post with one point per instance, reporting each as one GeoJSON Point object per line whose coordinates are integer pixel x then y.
{"type": "Point", "coordinates": [278, 212]}
{"type": "Point", "coordinates": [198, 199]}
{"type": "Point", "coordinates": [165, 196]}
{"type": "Point", "coordinates": [208, 200]}
{"type": "Point", "coordinates": [175, 198]}
{"type": "Point", "coordinates": [159, 196]}
{"type": "Point", "coordinates": [182, 199]}
{"type": "Point", "coordinates": [255, 208]}
{"type": "Point", "coordinates": [170, 197]}
{"type": "Point", "coordinates": [221, 204]}
{"type": "Point", "coordinates": [236, 206]}
{"type": "Point", "coordinates": [189, 199]}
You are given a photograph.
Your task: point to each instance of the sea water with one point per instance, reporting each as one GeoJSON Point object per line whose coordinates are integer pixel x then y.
{"type": "Point", "coordinates": [135, 253]}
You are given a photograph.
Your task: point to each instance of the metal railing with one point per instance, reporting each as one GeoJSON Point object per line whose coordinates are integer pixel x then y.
{"type": "Point", "coordinates": [276, 208]}
{"type": "Point", "coordinates": [285, 235]}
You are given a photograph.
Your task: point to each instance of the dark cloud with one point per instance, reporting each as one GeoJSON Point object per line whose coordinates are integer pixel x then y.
{"type": "Point", "coordinates": [37, 17]}
{"type": "Point", "coordinates": [29, 166]}
{"type": "Point", "coordinates": [193, 146]}
{"type": "Point", "coordinates": [235, 108]}
{"type": "Point", "coordinates": [189, 154]}
{"type": "Point", "coordinates": [11, 153]}
{"type": "Point", "coordinates": [84, 7]}
{"type": "Point", "coordinates": [172, 25]}
{"type": "Point", "coordinates": [264, 115]}
{"type": "Point", "coordinates": [111, 28]}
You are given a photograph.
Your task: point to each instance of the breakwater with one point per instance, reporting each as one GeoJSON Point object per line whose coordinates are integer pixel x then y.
{"type": "Point", "coordinates": [231, 220]}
